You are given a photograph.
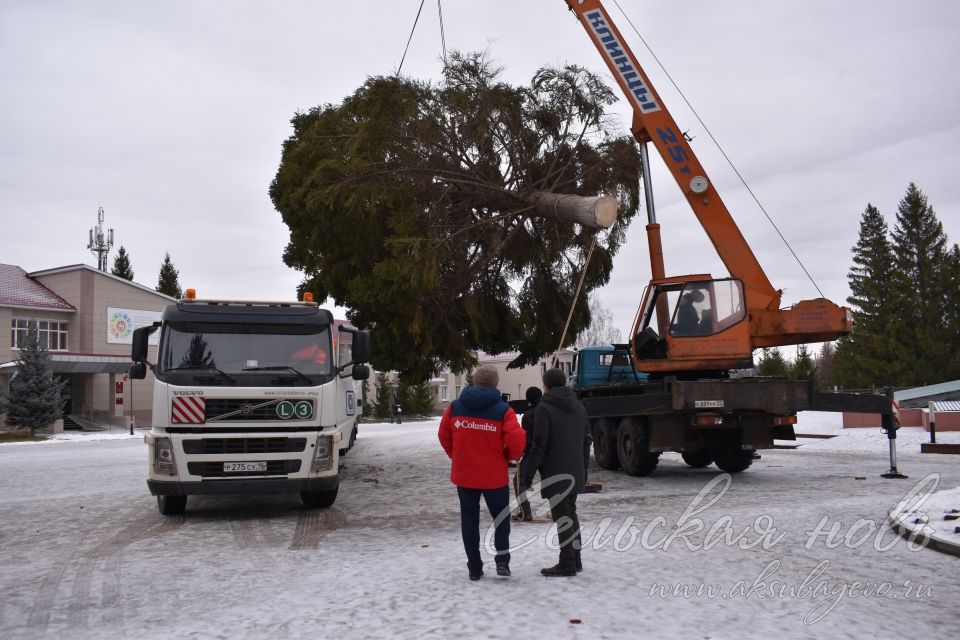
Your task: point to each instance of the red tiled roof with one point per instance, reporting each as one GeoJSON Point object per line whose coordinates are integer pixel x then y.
{"type": "Point", "coordinates": [19, 289]}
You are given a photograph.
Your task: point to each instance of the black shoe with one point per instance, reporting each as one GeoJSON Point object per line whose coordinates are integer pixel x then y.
{"type": "Point", "coordinates": [476, 575]}
{"type": "Point", "coordinates": [503, 570]}
{"type": "Point", "coordinates": [559, 570]}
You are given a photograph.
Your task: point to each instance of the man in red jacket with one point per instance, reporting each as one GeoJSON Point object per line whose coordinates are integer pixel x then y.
{"type": "Point", "coordinates": [480, 433]}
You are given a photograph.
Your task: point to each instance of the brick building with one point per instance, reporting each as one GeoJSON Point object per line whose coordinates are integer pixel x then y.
{"type": "Point", "coordinates": [85, 318]}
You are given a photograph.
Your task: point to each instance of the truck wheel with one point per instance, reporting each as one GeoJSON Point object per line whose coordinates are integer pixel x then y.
{"type": "Point", "coordinates": [698, 458]}
{"type": "Point", "coordinates": [733, 460]}
{"type": "Point", "coordinates": [350, 442]}
{"type": "Point", "coordinates": [605, 445]}
{"type": "Point", "coordinates": [632, 449]}
{"type": "Point", "coordinates": [171, 505]}
{"type": "Point", "coordinates": [319, 499]}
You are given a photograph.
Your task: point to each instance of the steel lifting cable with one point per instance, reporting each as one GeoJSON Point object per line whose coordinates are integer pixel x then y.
{"type": "Point", "coordinates": [443, 37]}
{"type": "Point", "coordinates": [412, 29]}
{"type": "Point", "coordinates": [722, 152]}
{"type": "Point", "coordinates": [573, 303]}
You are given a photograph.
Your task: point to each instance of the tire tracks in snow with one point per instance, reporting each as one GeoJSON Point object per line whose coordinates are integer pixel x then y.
{"type": "Point", "coordinates": [313, 525]}
{"type": "Point", "coordinates": [99, 565]}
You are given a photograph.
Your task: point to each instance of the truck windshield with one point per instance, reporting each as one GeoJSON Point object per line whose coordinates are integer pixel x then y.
{"type": "Point", "coordinates": [244, 354]}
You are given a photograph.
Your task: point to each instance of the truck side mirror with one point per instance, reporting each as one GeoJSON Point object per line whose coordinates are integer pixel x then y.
{"type": "Point", "coordinates": [141, 336]}
{"type": "Point", "coordinates": [360, 372]}
{"type": "Point", "coordinates": [137, 371]}
{"type": "Point", "coordinates": [361, 348]}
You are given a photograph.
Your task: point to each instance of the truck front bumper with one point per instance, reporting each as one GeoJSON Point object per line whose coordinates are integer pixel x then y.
{"type": "Point", "coordinates": [246, 485]}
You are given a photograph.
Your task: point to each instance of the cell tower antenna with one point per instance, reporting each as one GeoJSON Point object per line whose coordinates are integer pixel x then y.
{"type": "Point", "coordinates": [100, 242]}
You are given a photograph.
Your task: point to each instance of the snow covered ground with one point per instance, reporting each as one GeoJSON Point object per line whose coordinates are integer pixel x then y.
{"type": "Point", "coordinates": [795, 547]}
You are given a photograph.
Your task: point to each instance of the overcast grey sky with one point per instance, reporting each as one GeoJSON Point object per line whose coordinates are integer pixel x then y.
{"type": "Point", "coordinates": [171, 115]}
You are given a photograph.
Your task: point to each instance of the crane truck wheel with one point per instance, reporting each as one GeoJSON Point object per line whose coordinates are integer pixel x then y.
{"type": "Point", "coordinates": [698, 458]}
{"type": "Point", "coordinates": [172, 505]}
{"type": "Point", "coordinates": [605, 445]}
{"type": "Point", "coordinates": [319, 499]}
{"type": "Point", "coordinates": [632, 449]}
{"type": "Point", "coordinates": [733, 459]}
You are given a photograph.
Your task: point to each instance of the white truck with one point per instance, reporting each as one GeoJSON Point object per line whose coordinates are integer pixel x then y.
{"type": "Point", "coordinates": [250, 397]}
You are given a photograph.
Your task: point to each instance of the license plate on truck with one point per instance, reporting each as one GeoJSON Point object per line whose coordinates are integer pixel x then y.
{"type": "Point", "coordinates": [241, 467]}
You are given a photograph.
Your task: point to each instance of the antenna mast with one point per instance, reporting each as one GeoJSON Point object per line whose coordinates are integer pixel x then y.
{"type": "Point", "coordinates": [100, 243]}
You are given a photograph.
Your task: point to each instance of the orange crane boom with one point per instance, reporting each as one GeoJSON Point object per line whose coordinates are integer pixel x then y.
{"type": "Point", "coordinates": [726, 335]}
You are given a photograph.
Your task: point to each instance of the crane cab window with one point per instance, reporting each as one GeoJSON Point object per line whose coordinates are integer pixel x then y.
{"type": "Point", "coordinates": [705, 308]}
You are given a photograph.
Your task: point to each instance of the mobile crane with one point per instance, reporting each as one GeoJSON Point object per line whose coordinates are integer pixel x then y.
{"type": "Point", "coordinates": [692, 330]}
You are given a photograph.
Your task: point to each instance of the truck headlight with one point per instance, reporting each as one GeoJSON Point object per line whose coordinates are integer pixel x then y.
{"type": "Point", "coordinates": [323, 454]}
{"type": "Point", "coordinates": [163, 460]}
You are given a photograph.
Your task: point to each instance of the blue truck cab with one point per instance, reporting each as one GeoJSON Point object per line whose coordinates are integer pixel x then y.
{"type": "Point", "coordinates": [602, 365]}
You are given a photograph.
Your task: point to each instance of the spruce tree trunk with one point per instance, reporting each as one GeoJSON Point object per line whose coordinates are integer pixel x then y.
{"type": "Point", "coordinates": [595, 212]}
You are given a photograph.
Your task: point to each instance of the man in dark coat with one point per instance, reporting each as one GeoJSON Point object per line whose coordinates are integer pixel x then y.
{"type": "Point", "coordinates": [561, 444]}
{"type": "Point", "coordinates": [533, 396]}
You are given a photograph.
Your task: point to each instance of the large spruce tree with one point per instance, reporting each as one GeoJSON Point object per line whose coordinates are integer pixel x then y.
{"type": "Point", "coordinates": [411, 204]}
{"type": "Point", "coordinates": [868, 357]}
{"type": "Point", "coordinates": [169, 282]}
{"type": "Point", "coordinates": [951, 307]}
{"type": "Point", "coordinates": [121, 265]}
{"type": "Point", "coordinates": [921, 258]}
{"type": "Point", "coordinates": [34, 401]}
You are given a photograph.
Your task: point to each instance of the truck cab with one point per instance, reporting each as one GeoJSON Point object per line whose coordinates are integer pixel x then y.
{"type": "Point", "coordinates": [250, 397]}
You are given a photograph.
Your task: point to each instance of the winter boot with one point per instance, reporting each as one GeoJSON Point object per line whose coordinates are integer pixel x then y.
{"type": "Point", "coordinates": [476, 575]}
{"type": "Point", "coordinates": [503, 570]}
{"type": "Point", "coordinates": [559, 570]}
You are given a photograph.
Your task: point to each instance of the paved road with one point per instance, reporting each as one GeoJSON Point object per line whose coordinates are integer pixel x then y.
{"type": "Point", "coordinates": [86, 554]}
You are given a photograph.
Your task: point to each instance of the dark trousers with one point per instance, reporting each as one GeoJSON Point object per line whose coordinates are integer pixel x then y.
{"type": "Point", "coordinates": [498, 500]}
{"type": "Point", "coordinates": [564, 512]}
{"type": "Point", "coordinates": [523, 504]}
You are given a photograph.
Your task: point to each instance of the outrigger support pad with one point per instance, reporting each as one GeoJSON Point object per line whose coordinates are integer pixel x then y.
{"type": "Point", "coordinates": [889, 426]}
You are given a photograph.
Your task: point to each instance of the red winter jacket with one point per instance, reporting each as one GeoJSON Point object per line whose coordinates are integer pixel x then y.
{"type": "Point", "coordinates": [480, 433]}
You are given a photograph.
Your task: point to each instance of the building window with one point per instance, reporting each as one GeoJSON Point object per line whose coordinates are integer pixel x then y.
{"type": "Point", "coordinates": [543, 368]}
{"type": "Point", "coordinates": [443, 393]}
{"type": "Point", "coordinates": [456, 391]}
{"type": "Point", "coordinates": [51, 334]}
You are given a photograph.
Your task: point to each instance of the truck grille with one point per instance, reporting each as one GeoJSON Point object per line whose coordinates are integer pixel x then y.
{"type": "Point", "coordinates": [248, 409]}
{"type": "Point", "coordinates": [244, 445]}
{"type": "Point", "coordinates": [215, 469]}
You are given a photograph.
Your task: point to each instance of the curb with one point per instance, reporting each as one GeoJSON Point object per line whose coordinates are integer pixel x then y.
{"type": "Point", "coordinates": [934, 523]}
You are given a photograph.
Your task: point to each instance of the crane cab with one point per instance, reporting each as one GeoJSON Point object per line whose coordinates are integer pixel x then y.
{"type": "Point", "coordinates": [692, 323]}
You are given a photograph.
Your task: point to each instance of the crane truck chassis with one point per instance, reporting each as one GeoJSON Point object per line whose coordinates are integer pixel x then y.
{"type": "Point", "coordinates": [250, 397]}
{"type": "Point", "coordinates": [634, 418]}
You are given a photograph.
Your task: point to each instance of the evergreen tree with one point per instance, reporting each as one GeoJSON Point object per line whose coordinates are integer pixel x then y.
{"type": "Point", "coordinates": [34, 401]}
{"type": "Point", "coordinates": [444, 180]}
{"type": "Point", "coordinates": [383, 408]}
{"type": "Point", "coordinates": [867, 357]}
{"type": "Point", "coordinates": [169, 282]}
{"type": "Point", "coordinates": [366, 406]}
{"type": "Point", "coordinates": [952, 312]}
{"type": "Point", "coordinates": [772, 363]}
{"type": "Point", "coordinates": [824, 364]}
{"type": "Point", "coordinates": [421, 399]}
{"type": "Point", "coordinates": [803, 367]}
{"type": "Point", "coordinates": [121, 265]}
{"type": "Point", "coordinates": [921, 258]}
{"type": "Point", "coordinates": [402, 397]}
